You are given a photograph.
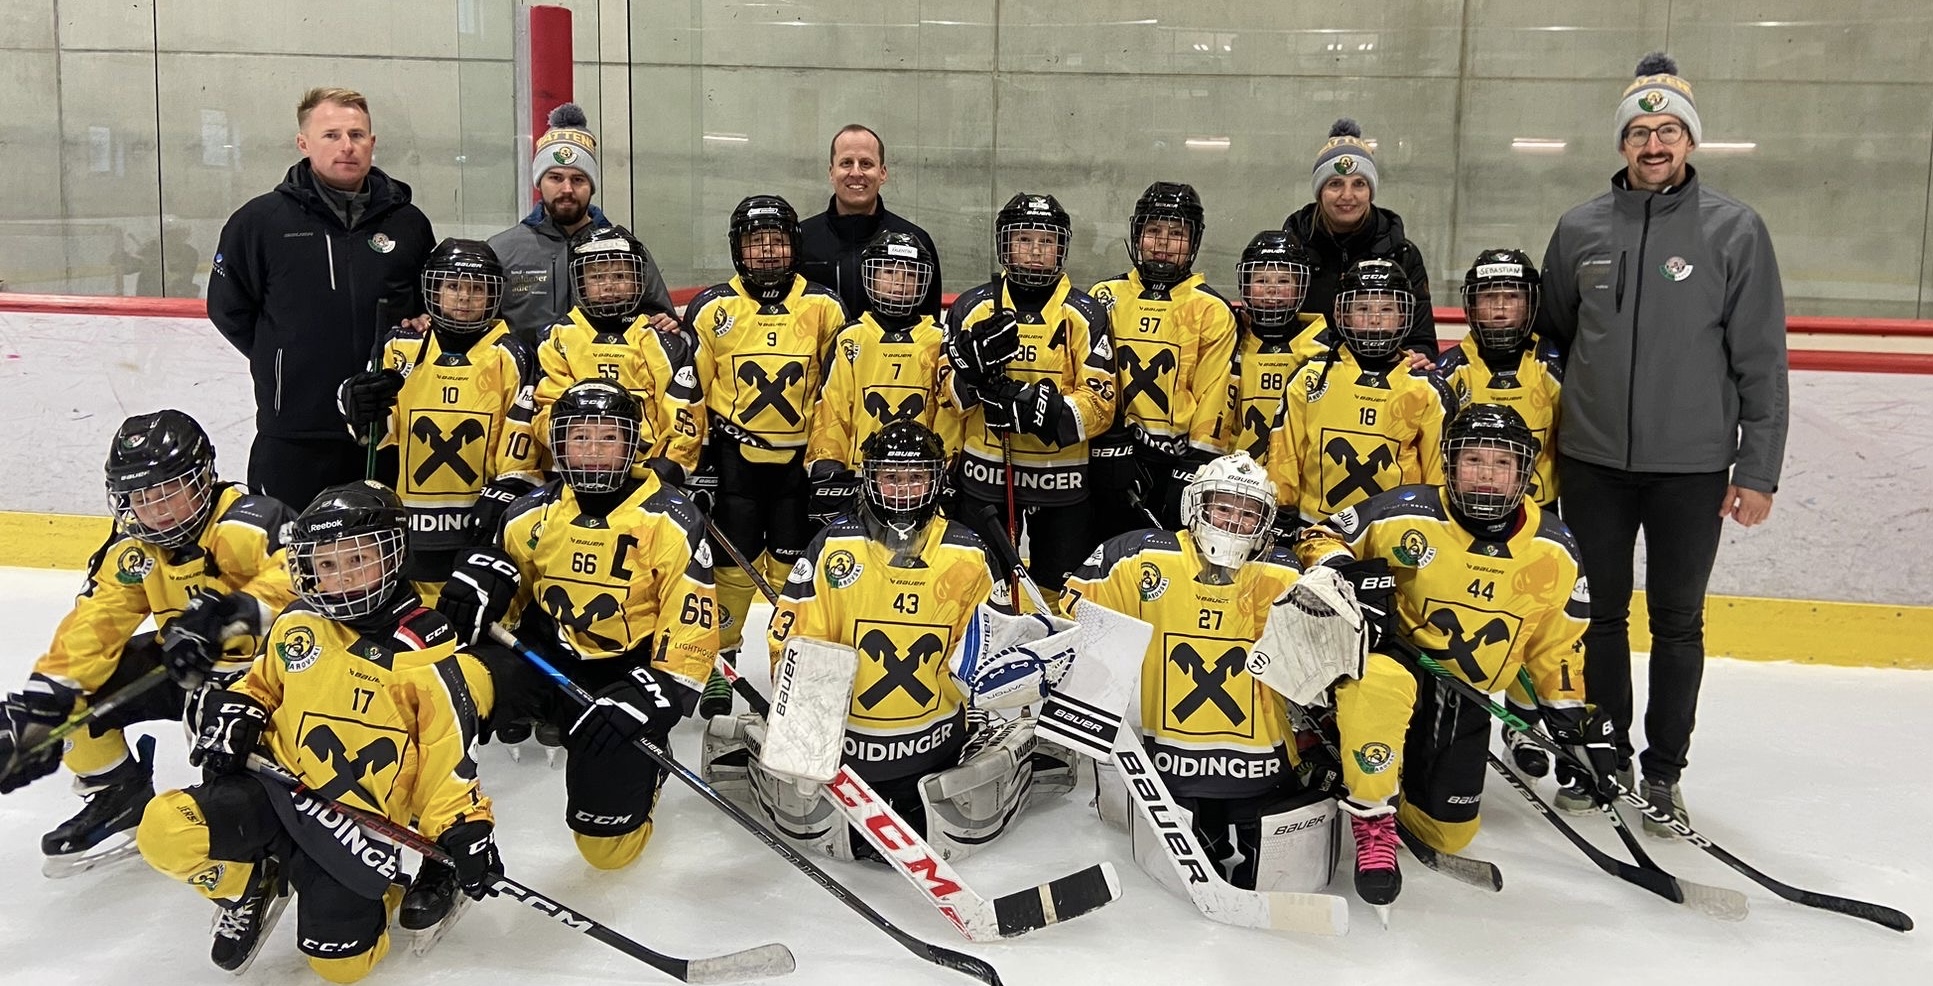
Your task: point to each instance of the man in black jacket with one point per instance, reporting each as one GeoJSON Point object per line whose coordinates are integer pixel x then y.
{"type": "Point", "coordinates": [306, 280]}
{"type": "Point", "coordinates": [831, 241]}
{"type": "Point", "coordinates": [1343, 225]}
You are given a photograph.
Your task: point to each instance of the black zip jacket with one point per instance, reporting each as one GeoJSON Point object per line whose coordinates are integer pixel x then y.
{"type": "Point", "coordinates": [1380, 237]}
{"type": "Point", "coordinates": [305, 298]}
{"type": "Point", "coordinates": [831, 243]}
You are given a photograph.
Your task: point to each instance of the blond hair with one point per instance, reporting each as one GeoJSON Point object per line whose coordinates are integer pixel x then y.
{"type": "Point", "coordinates": [328, 94]}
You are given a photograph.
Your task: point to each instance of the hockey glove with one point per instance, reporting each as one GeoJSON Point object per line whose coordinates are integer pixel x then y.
{"type": "Point", "coordinates": [365, 398]}
{"type": "Point", "coordinates": [1591, 739]}
{"type": "Point", "coordinates": [1532, 760]}
{"type": "Point", "coordinates": [25, 720]}
{"type": "Point", "coordinates": [643, 704]}
{"type": "Point", "coordinates": [701, 488]}
{"type": "Point", "coordinates": [999, 399]}
{"type": "Point", "coordinates": [834, 492]}
{"type": "Point", "coordinates": [1375, 592]}
{"type": "Point", "coordinates": [191, 644]}
{"type": "Point", "coordinates": [231, 727]}
{"type": "Point", "coordinates": [486, 515]}
{"type": "Point", "coordinates": [982, 350]}
{"type": "Point", "coordinates": [472, 847]}
{"type": "Point", "coordinates": [1038, 411]}
{"type": "Point", "coordinates": [479, 592]}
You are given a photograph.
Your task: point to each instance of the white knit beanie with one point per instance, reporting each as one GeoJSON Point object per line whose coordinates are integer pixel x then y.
{"type": "Point", "coordinates": [1658, 89]}
{"type": "Point", "coordinates": [567, 144]}
{"type": "Point", "coordinates": [1345, 154]}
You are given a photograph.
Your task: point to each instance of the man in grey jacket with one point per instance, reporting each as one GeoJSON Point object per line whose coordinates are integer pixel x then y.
{"type": "Point", "coordinates": [535, 252]}
{"type": "Point", "coordinates": [1665, 296]}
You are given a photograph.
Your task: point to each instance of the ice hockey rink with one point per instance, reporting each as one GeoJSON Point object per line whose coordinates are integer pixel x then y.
{"type": "Point", "coordinates": [1816, 775]}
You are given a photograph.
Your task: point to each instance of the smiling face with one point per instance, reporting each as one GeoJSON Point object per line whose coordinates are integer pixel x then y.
{"type": "Point", "coordinates": [1165, 241]}
{"type": "Point", "coordinates": [1487, 470]}
{"type": "Point", "coordinates": [1344, 201]}
{"type": "Point", "coordinates": [596, 446]}
{"type": "Point", "coordinates": [567, 196]}
{"type": "Point", "coordinates": [1655, 163]}
{"type": "Point", "coordinates": [339, 145]}
{"type": "Point", "coordinates": [858, 169]}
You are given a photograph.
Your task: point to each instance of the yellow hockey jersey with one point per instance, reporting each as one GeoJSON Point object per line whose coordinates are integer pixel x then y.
{"type": "Point", "coordinates": [638, 575]}
{"type": "Point", "coordinates": [1174, 352]}
{"type": "Point", "coordinates": [759, 364]}
{"type": "Point", "coordinates": [875, 376]}
{"type": "Point", "coordinates": [465, 421]}
{"type": "Point", "coordinates": [1530, 384]}
{"type": "Point", "coordinates": [1344, 434]}
{"type": "Point", "coordinates": [1213, 730]}
{"type": "Point", "coordinates": [380, 723]}
{"type": "Point", "coordinates": [129, 580]}
{"type": "Point", "coordinates": [656, 366]}
{"type": "Point", "coordinates": [1482, 607]}
{"type": "Point", "coordinates": [1262, 371]}
{"type": "Point", "coordinates": [908, 713]}
{"type": "Point", "coordinates": [1065, 343]}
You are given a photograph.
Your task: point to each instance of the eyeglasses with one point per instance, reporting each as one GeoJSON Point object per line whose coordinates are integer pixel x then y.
{"type": "Point", "coordinates": [1669, 135]}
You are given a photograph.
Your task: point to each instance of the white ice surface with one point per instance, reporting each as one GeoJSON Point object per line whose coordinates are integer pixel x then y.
{"type": "Point", "coordinates": [1818, 776]}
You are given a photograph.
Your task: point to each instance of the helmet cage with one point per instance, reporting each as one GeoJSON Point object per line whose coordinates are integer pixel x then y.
{"type": "Point", "coordinates": [435, 279]}
{"type": "Point", "coordinates": [1271, 312]}
{"type": "Point", "coordinates": [1034, 277]}
{"type": "Point", "coordinates": [895, 261]}
{"type": "Point", "coordinates": [609, 470]}
{"type": "Point", "coordinates": [345, 594]}
{"type": "Point", "coordinates": [615, 260]}
{"type": "Point", "coordinates": [198, 482]}
{"type": "Point", "coordinates": [1371, 342]}
{"type": "Point", "coordinates": [1486, 504]}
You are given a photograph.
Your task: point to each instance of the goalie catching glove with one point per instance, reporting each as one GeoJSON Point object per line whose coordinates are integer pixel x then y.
{"type": "Point", "coordinates": [1314, 637]}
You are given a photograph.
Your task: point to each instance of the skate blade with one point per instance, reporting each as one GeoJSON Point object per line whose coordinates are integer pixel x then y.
{"type": "Point", "coordinates": [1382, 914]}
{"type": "Point", "coordinates": [118, 849]}
{"type": "Point", "coordinates": [516, 755]}
{"type": "Point", "coordinates": [550, 758]}
{"type": "Point", "coordinates": [422, 941]}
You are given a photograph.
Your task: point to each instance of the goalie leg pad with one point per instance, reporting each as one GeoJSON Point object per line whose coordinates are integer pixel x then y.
{"type": "Point", "coordinates": [1111, 795]}
{"type": "Point", "coordinates": [725, 757]}
{"type": "Point", "coordinates": [811, 696]}
{"type": "Point", "coordinates": [800, 813]}
{"type": "Point", "coordinates": [1296, 846]}
{"type": "Point", "coordinates": [969, 805]}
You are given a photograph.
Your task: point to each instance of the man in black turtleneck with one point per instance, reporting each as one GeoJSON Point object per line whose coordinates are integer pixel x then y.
{"type": "Point", "coordinates": [831, 240]}
{"type": "Point", "coordinates": [306, 279]}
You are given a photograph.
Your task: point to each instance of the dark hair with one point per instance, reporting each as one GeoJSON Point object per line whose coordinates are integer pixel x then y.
{"type": "Point", "coordinates": [832, 150]}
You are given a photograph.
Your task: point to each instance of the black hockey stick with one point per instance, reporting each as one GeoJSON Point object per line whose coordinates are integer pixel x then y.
{"type": "Point", "coordinates": [959, 961]}
{"type": "Point", "coordinates": [125, 694]}
{"type": "Point", "coordinates": [1877, 913]}
{"type": "Point", "coordinates": [761, 962]}
{"type": "Point", "coordinates": [738, 558]}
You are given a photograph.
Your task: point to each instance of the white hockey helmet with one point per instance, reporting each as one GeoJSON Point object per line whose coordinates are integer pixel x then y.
{"type": "Point", "coordinates": [1229, 506]}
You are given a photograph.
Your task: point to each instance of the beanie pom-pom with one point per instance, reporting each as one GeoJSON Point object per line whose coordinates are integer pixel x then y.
{"type": "Point", "coordinates": [568, 115]}
{"type": "Point", "coordinates": [1657, 63]}
{"type": "Point", "coordinates": [1345, 127]}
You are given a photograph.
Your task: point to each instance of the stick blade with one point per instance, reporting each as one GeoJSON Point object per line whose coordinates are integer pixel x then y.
{"type": "Point", "coordinates": [1308, 914]}
{"type": "Point", "coordinates": [1062, 899]}
{"type": "Point", "coordinates": [760, 962]}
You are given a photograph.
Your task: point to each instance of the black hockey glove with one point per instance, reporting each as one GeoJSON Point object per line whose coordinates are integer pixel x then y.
{"type": "Point", "coordinates": [642, 704]}
{"type": "Point", "coordinates": [999, 399]}
{"type": "Point", "coordinates": [1375, 591]}
{"type": "Point", "coordinates": [1110, 463]}
{"type": "Point", "coordinates": [191, 644]}
{"type": "Point", "coordinates": [1532, 760]}
{"type": "Point", "coordinates": [25, 720]}
{"type": "Point", "coordinates": [835, 492]}
{"type": "Point", "coordinates": [479, 592]}
{"type": "Point", "coordinates": [486, 515]}
{"type": "Point", "coordinates": [1591, 739]}
{"type": "Point", "coordinates": [1038, 410]}
{"type": "Point", "coordinates": [982, 350]}
{"type": "Point", "coordinates": [472, 847]}
{"type": "Point", "coordinates": [701, 488]}
{"type": "Point", "coordinates": [365, 398]}
{"type": "Point", "coordinates": [230, 728]}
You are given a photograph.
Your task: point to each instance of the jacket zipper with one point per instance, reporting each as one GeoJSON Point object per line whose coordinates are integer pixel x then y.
{"type": "Point", "coordinates": [329, 243]}
{"type": "Point", "coordinates": [1631, 380]}
{"type": "Point", "coordinates": [1622, 254]}
{"type": "Point", "coordinates": [278, 380]}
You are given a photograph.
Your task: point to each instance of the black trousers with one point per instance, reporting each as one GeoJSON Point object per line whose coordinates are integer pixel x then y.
{"type": "Point", "coordinates": [1605, 509]}
{"type": "Point", "coordinates": [761, 506]}
{"type": "Point", "coordinates": [1059, 537]}
{"type": "Point", "coordinates": [294, 470]}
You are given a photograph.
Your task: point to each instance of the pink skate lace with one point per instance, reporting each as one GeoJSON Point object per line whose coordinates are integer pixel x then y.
{"type": "Point", "coordinates": [1375, 842]}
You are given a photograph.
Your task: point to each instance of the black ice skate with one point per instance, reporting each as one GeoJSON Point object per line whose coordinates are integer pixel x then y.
{"type": "Point", "coordinates": [432, 906]}
{"type": "Point", "coordinates": [550, 736]}
{"type": "Point", "coordinates": [103, 831]}
{"type": "Point", "coordinates": [242, 925]}
{"type": "Point", "coordinates": [1378, 881]}
{"type": "Point", "coordinates": [511, 735]}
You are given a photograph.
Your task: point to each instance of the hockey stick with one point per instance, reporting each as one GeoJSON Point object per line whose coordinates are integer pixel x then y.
{"type": "Point", "coordinates": [1877, 913]}
{"type": "Point", "coordinates": [977, 968]}
{"type": "Point", "coordinates": [761, 962]}
{"type": "Point", "coordinates": [122, 696]}
{"type": "Point", "coordinates": [1013, 518]}
{"type": "Point", "coordinates": [1465, 869]}
{"type": "Point", "coordinates": [1727, 905]}
{"type": "Point", "coordinates": [977, 918]}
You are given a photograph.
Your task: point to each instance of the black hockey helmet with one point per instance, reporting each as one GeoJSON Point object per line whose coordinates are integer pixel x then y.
{"type": "Point", "coordinates": [607, 271]}
{"type": "Point", "coordinates": [610, 420]}
{"type": "Point", "coordinates": [901, 447]}
{"type": "Point", "coordinates": [164, 462]}
{"type": "Point", "coordinates": [1496, 273]}
{"type": "Point", "coordinates": [761, 212]}
{"type": "Point", "coordinates": [345, 550]}
{"type": "Point", "coordinates": [1274, 251]}
{"type": "Point", "coordinates": [471, 269]}
{"type": "Point", "coordinates": [1031, 212]}
{"type": "Point", "coordinates": [1166, 200]}
{"type": "Point", "coordinates": [1488, 494]}
{"type": "Point", "coordinates": [897, 269]}
{"type": "Point", "coordinates": [1374, 306]}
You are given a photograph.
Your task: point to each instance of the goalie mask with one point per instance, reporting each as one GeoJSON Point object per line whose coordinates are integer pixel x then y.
{"type": "Point", "coordinates": [462, 286]}
{"type": "Point", "coordinates": [594, 435]}
{"type": "Point", "coordinates": [345, 550]}
{"type": "Point", "coordinates": [1229, 506]}
{"type": "Point", "coordinates": [1373, 308]}
{"type": "Point", "coordinates": [1488, 452]}
{"type": "Point", "coordinates": [897, 269]}
{"type": "Point", "coordinates": [1500, 298]}
{"type": "Point", "coordinates": [161, 478]}
{"type": "Point", "coordinates": [1030, 237]}
{"type": "Point", "coordinates": [765, 242]}
{"type": "Point", "coordinates": [1164, 233]}
{"type": "Point", "coordinates": [1274, 278]}
{"type": "Point", "coordinates": [901, 465]}
{"type": "Point", "coordinates": [607, 272]}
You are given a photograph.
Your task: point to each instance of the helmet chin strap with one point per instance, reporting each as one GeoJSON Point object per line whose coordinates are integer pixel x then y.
{"type": "Point", "coordinates": [904, 539]}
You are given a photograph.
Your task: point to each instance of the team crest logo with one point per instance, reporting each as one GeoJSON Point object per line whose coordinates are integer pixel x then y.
{"type": "Point", "coordinates": [565, 154]}
{"type": "Point", "coordinates": [1374, 758]}
{"type": "Point", "coordinates": [1653, 102]}
{"type": "Point", "coordinates": [1414, 549]}
{"type": "Point", "coordinates": [1103, 348]}
{"type": "Point", "coordinates": [802, 572]}
{"type": "Point", "coordinates": [842, 569]}
{"type": "Point", "coordinates": [208, 879]}
{"type": "Point", "coordinates": [381, 243]}
{"type": "Point", "coordinates": [685, 377]}
{"type": "Point", "coordinates": [1581, 592]}
{"type": "Point", "coordinates": [1153, 583]}
{"type": "Point", "coordinates": [703, 555]}
{"type": "Point", "coordinates": [851, 350]}
{"type": "Point", "coordinates": [132, 566]}
{"type": "Point", "coordinates": [721, 323]}
{"type": "Point", "coordinates": [1106, 297]}
{"type": "Point", "coordinates": [1345, 165]}
{"type": "Point", "coordinates": [298, 649]}
{"type": "Point", "coordinates": [1675, 269]}
{"type": "Point", "coordinates": [1317, 386]}
{"type": "Point", "coordinates": [535, 530]}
